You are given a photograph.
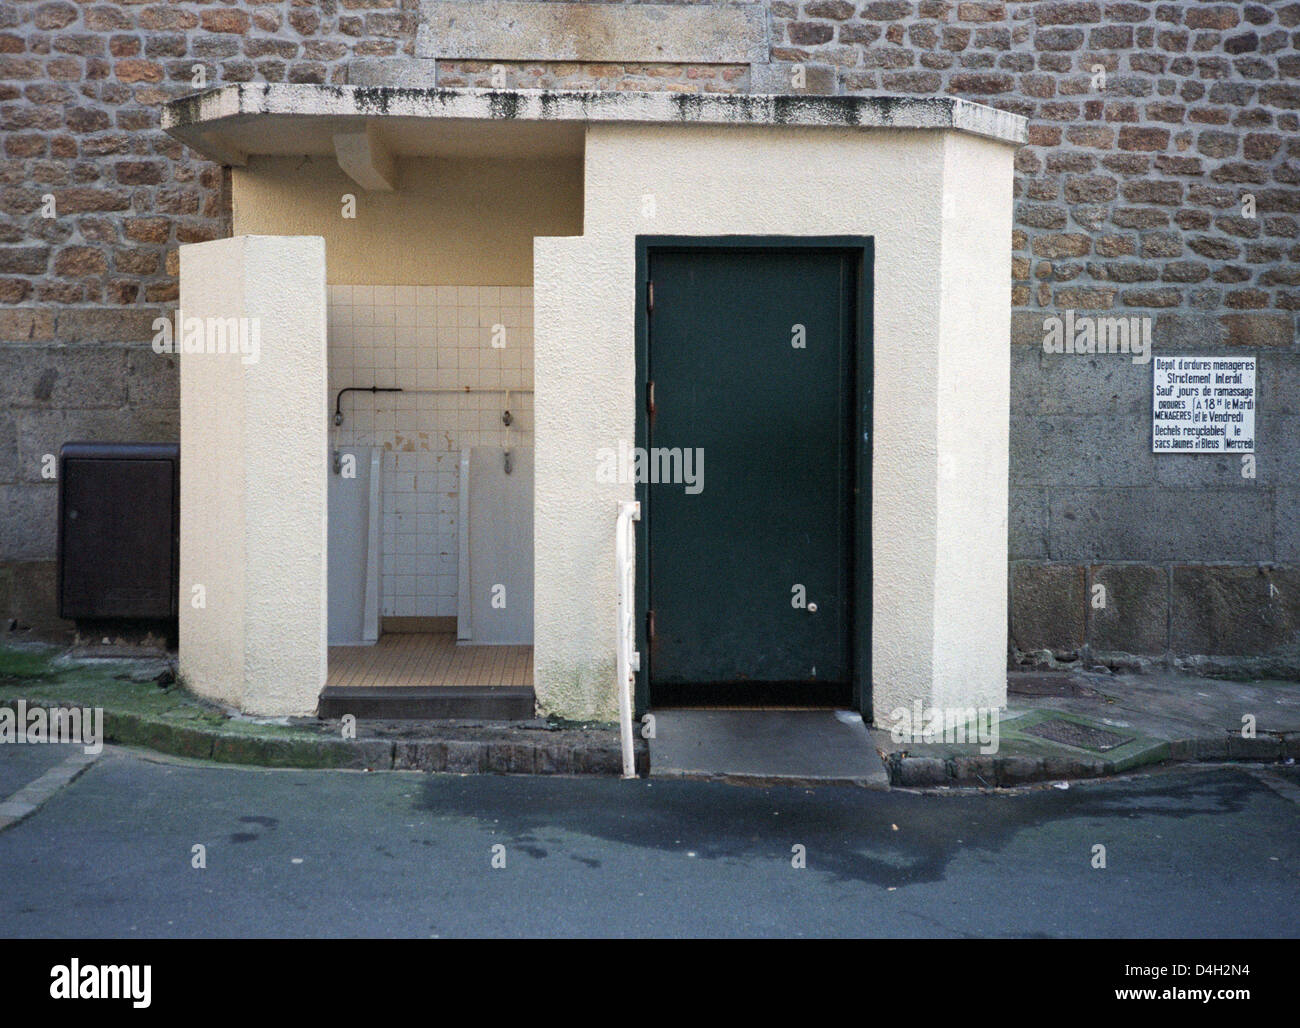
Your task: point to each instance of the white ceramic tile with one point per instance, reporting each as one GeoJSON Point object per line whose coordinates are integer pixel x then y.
{"type": "Point", "coordinates": [419, 337]}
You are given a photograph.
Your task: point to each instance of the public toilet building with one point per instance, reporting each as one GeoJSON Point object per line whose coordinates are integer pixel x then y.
{"type": "Point", "coordinates": [474, 325]}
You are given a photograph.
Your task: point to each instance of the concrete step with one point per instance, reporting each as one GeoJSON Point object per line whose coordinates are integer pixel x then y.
{"type": "Point", "coordinates": [461, 702]}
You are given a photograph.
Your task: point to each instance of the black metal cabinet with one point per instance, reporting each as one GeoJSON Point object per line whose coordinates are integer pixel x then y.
{"type": "Point", "coordinates": [119, 531]}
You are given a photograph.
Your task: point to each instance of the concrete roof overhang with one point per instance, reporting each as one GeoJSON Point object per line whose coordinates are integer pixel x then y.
{"type": "Point", "coordinates": [229, 123]}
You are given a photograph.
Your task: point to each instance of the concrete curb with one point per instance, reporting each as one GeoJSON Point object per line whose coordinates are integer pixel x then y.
{"type": "Point", "coordinates": [508, 749]}
{"type": "Point", "coordinates": [27, 800]}
{"type": "Point", "coordinates": [533, 750]}
{"type": "Point", "coordinates": [879, 782]}
{"type": "Point", "coordinates": [1002, 771]}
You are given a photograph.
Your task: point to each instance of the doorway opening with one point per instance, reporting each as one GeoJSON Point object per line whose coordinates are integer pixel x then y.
{"type": "Point", "coordinates": [430, 493]}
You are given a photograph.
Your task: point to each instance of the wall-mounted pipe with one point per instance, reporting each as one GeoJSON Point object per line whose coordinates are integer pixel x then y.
{"type": "Point", "coordinates": [338, 400]}
{"type": "Point", "coordinates": [506, 419]}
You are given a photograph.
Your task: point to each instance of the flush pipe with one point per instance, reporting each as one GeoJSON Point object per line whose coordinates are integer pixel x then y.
{"type": "Point", "coordinates": [465, 390]}
{"type": "Point", "coordinates": [338, 416]}
{"type": "Point", "coordinates": [506, 418]}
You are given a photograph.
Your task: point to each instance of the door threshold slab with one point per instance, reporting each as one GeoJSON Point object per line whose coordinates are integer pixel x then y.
{"type": "Point", "coordinates": [766, 747]}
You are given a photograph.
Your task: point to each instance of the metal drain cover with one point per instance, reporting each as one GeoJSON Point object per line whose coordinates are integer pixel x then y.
{"type": "Point", "coordinates": [1070, 733]}
{"type": "Point", "coordinates": [1049, 683]}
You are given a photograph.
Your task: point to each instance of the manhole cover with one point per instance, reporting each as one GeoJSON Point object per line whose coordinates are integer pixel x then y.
{"type": "Point", "coordinates": [1068, 733]}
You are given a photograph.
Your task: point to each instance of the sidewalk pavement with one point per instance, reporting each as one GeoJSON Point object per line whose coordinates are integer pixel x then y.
{"type": "Point", "coordinates": [1057, 726]}
{"type": "Point", "coordinates": [1068, 725]}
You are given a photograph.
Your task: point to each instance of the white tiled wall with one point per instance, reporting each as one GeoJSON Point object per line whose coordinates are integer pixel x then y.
{"type": "Point", "coordinates": [425, 337]}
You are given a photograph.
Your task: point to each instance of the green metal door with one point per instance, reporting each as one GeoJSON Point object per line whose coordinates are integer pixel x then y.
{"type": "Point", "coordinates": [749, 549]}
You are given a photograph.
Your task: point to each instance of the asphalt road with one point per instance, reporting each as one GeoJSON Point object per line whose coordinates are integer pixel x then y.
{"type": "Point", "coordinates": [1189, 853]}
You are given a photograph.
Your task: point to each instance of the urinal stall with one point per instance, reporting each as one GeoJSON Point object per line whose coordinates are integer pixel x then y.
{"type": "Point", "coordinates": [431, 486]}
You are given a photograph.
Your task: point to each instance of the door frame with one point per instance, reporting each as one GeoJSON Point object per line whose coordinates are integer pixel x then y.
{"type": "Point", "coordinates": [862, 249]}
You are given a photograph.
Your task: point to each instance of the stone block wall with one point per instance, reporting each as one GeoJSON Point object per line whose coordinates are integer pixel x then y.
{"type": "Point", "coordinates": [1161, 181]}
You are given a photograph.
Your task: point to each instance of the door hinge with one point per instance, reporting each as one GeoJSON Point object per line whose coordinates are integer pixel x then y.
{"type": "Point", "coordinates": [650, 295]}
{"type": "Point", "coordinates": [650, 397]}
{"type": "Point", "coordinates": [650, 626]}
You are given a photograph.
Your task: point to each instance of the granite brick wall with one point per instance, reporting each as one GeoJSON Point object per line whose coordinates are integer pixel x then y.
{"type": "Point", "coordinates": [1162, 181]}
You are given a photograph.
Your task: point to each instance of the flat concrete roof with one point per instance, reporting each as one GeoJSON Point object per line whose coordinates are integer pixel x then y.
{"type": "Point", "coordinates": [229, 123]}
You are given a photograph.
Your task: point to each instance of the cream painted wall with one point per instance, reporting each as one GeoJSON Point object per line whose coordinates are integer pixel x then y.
{"type": "Point", "coordinates": [212, 484]}
{"type": "Point", "coordinates": [253, 483]}
{"type": "Point", "coordinates": [450, 222]}
{"type": "Point", "coordinates": [769, 181]}
{"type": "Point", "coordinates": [970, 656]}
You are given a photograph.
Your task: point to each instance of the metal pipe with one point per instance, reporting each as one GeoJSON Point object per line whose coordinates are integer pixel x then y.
{"type": "Point", "coordinates": [470, 390]}
{"type": "Point", "coordinates": [505, 447]}
{"type": "Point", "coordinates": [338, 400]}
{"type": "Point", "coordinates": [627, 660]}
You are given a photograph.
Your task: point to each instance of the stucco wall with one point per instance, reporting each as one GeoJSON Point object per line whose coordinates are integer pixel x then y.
{"type": "Point", "coordinates": [212, 483]}
{"type": "Point", "coordinates": [450, 222]}
{"type": "Point", "coordinates": [253, 486]}
{"type": "Point", "coordinates": [719, 181]}
{"type": "Point", "coordinates": [973, 403]}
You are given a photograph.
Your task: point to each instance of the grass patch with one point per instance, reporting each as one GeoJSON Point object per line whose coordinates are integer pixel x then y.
{"type": "Point", "coordinates": [26, 665]}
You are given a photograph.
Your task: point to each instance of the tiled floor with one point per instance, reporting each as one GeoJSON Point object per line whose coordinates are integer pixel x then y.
{"type": "Point", "coordinates": [413, 659]}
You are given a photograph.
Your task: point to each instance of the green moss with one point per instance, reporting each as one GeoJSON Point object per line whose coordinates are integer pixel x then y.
{"type": "Point", "coordinates": [26, 664]}
{"type": "Point", "coordinates": [170, 719]}
{"type": "Point", "coordinates": [554, 721]}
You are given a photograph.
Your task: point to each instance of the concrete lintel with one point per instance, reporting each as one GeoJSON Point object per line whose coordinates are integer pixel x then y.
{"type": "Point", "coordinates": [733, 33]}
{"type": "Point", "coordinates": [365, 159]}
{"type": "Point", "coordinates": [234, 119]}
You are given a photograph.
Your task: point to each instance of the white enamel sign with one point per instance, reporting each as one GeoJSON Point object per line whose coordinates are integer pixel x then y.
{"type": "Point", "coordinates": [1203, 405]}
